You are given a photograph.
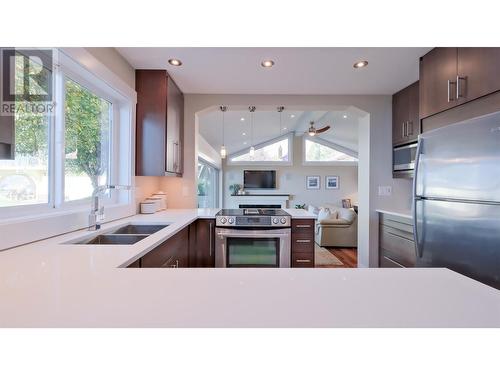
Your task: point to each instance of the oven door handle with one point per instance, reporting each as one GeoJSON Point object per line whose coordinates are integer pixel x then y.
{"type": "Point", "coordinates": [254, 235]}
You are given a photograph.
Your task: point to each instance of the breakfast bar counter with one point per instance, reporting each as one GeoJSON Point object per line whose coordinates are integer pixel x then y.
{"type": "Point", "coordinates": [53, 283]}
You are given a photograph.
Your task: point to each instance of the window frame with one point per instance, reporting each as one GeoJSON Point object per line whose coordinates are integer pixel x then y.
{"type": "Point", "coordinates": [202, 160]}
{"type": "Point", "coordinates": [110, 197]}
{"type": "Point", "coordinates": [289, 162]}
{"type": "Point", "coordinates": [331, 145]}
{"type": "Point", "coordinates": [120, 139]}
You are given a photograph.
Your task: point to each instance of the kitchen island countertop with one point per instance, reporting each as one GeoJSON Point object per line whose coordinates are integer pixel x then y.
{"type": "Point", "coordinates": [53, 283]}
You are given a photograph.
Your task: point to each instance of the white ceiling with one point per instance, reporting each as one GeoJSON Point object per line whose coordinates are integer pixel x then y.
{"type": "Point", "coordinates": [306, 71]}
{"type": "Point", "coordinates": [344, 131]}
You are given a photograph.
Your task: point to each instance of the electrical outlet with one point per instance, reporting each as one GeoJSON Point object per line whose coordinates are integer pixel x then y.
{"type": "Point", "coordinates": [385, 191]}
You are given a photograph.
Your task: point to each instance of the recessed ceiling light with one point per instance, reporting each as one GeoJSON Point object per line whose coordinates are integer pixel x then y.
{"type": "Point", "coordinates": [345, 116]}
{"type": "Point", "coordinates": [361, 64]}
{"type": "Point", "coordinates": [244, 143]}
{"type": "Point", "coordinates": [292, 116]}
{"type": "Point", "coordinates": [243, 133]}
{"type": "Point", "coordinates": [242, 119]}
{"type": "Point", "coordinates": [284, 128]}
{"type": "Point", "coordinates": [267, 63]}
{"type": "Point", "coordinates": [175, 62]}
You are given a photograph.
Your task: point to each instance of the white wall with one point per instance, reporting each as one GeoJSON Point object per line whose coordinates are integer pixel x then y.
{"type": "Point", "coordinates": [292, 180]}
{"type": "Point", "coordinates": [115, 62]}
{"type": "Point", "coordinates": [375, 153]}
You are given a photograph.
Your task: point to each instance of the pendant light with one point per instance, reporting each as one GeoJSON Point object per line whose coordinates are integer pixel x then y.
{"type": "Point", "coordinates": [280, 148]}
{"type": "Point", "coordinates": [252, 149]}
{"type": "Point", "coordinates": [223, 152]}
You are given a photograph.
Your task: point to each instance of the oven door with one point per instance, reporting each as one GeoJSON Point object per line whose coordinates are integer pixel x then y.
{"type": "Point", "coordinates": [252, 248]}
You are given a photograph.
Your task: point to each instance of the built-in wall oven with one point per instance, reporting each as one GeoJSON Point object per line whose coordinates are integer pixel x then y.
{"type": "Point", "coordinates": [403, 160]}
{"type": "Point", "coordinates": [252, 238]}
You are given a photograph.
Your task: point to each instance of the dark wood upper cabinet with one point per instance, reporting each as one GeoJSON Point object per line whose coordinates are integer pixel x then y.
{"type": "Point", "coordinates": [399, 118]}
{"type": "Point", "coordinates": [159, 124]}
{"type": "Point", "coordinates": [478, 72]}
{"type": "Point", "coordinates": [453, 76]}
{"type": "Point", "coordinates": [438, 73]}
{"type": "Point", "coordinates": [405, 115]}
{"type": "Point", "coordinates": [202, 243]}
{"type": "Point", "coordinates": [413, 127]}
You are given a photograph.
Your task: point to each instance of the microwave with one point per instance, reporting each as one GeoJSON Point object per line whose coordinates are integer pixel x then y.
{"type": "Point", "coordinates": [403, 160]}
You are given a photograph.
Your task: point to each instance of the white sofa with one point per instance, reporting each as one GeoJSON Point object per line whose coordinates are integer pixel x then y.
{"type": "Point", "coordinates": [336, 226]}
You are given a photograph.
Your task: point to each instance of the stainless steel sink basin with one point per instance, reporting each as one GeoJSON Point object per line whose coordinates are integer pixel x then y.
{"type": "Point", "coordinates": [113, 239]}
{"type": "Point", "coordinates": [139, 229]}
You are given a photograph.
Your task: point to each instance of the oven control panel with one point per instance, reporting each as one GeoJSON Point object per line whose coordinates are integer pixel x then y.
{"type": "Point", "coordinates": [253, 221]}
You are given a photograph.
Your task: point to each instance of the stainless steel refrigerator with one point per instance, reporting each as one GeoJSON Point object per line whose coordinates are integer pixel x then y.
{"type": "Point", "coordinates": [456, 198]}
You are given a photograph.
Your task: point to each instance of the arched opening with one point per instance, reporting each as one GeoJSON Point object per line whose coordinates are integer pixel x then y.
{"type": "Point", "coordinates": [362, 152]}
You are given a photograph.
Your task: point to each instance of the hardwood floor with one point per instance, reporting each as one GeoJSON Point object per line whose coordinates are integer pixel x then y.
{"type": "Point", "coordinates": [348, 257]}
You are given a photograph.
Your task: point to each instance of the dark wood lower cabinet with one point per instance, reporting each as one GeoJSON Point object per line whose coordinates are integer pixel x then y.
{"type": "Point", "coordinates": [135, 264]}
{"type": "Point", "coordinates": [171, 253]}
{"type": "Point", "coordinates": [302, 243]}
{"type": "Point", "coordinates": [192, 247]}
{"type": "Point", "coordinates": [202, 243]}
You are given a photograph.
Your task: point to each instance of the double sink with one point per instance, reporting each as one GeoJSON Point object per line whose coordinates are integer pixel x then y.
{"type": "Point", "coordinates": [126, 235]}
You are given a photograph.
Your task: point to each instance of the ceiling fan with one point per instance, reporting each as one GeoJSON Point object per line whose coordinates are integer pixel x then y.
{"type": "Point", "coordinates": [313, 131]}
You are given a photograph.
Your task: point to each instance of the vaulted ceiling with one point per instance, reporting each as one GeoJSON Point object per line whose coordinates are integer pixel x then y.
{"type": "Point", "coordinates": [266, 126]}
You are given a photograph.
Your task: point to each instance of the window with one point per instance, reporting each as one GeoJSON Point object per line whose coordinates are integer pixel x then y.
{"type": "Point", "coordinates": [208, 185]}
{"type": "Point", "coordinates": [321, 151]}
{"type": "Point", "coordinates": [59, 159]}
{"type": "Point", "coordinates": [25, 179]}
{"type": "Point", "coordinates": [87, 134]}
{"type": "Point", "coordinates": [277, 151]}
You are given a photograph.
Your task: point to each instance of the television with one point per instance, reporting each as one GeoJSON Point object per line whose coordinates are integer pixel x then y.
{"type": "Point", "coordinates": [259, 179]}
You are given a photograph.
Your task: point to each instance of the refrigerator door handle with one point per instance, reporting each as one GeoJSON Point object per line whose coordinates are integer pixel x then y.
{"type": "Point", "coordinates": [418, 251]}
{"type": "Point", "coordinates": [415, 198]}
{"type": "Point", "coordinates": [416, 165]}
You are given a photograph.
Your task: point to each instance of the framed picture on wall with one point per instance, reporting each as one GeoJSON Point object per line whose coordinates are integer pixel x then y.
{"type": "Point", "coordinates": [332, 182]}
{"type": "Point", "coordinates": [313, 182]}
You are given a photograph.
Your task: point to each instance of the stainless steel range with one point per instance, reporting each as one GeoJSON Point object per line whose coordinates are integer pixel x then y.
{"type": "Point", "coordinates": [252, 237]}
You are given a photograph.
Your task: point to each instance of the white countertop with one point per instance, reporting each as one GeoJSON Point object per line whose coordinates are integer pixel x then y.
{"type": "Point", "coordinates": [298, 213]}
{"type": "Point", "coordinates": [406, 215]}
{"type": "Point", "coordinates": [54, 284]}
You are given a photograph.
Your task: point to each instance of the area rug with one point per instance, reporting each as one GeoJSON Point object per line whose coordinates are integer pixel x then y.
{"type": "Point", "coordinates": [322, 257]}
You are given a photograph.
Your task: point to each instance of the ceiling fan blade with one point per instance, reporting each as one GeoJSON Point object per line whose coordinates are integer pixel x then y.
{"type": "Point", "coordinates": [322, 130]}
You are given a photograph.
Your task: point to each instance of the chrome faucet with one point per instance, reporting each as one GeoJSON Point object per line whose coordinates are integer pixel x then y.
{"type": "Point", "coordinates": [96, 215]}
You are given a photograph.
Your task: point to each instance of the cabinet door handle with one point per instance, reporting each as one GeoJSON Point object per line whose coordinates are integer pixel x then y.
{"type": "Point", "coordinates": [210, 247]}
{"type": "Point", "coordinates": [178, 162]}
{"type": "Point", "coordinates": [303, 241]}
{"type": "Point", "coordinates": [409, 128]}
{"type": "Point", "coordinates": [303, 260]}
{"type": "Point", "coordinates": [302, 226]}
{"type": "Point", "coordinates": [174, 155]}
{"type": "Point", "coordinates": [450, 98]}
{"type": "Point", "coordinates": [459, 89]}
{"type": "Point", "coordinates": [403, 128]}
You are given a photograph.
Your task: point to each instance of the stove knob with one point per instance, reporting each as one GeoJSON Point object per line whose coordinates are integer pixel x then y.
{"type": "Point", "coordinates": [275, 220]}
{"type": "Point", "coordinates": [230, 220]}
{"type": "Point", "coordinates": [223, 220]}
{"type": "Point", "coordinates": [283, 220]}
